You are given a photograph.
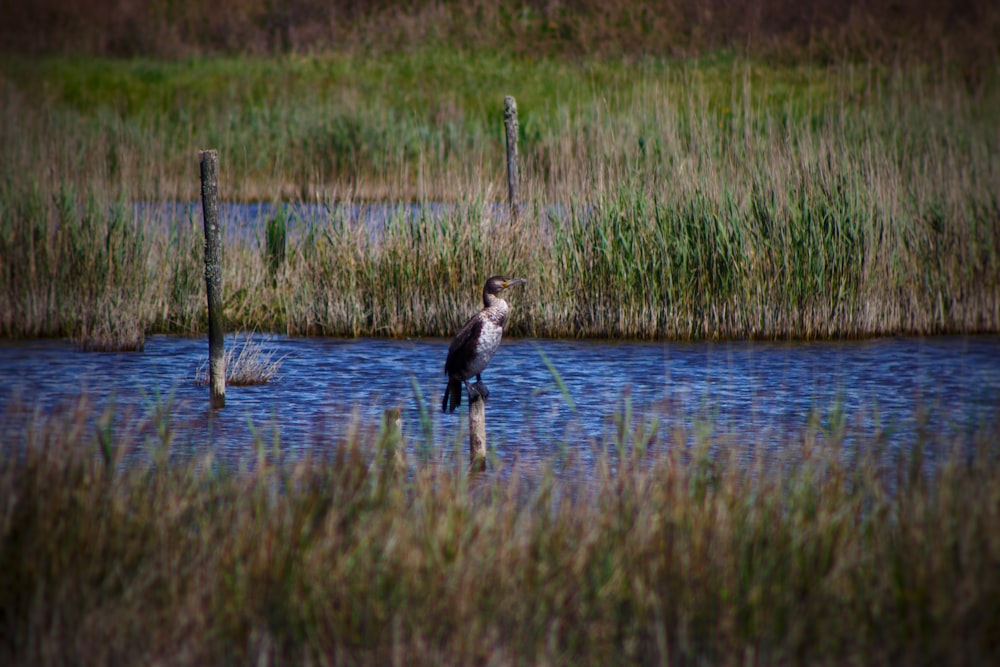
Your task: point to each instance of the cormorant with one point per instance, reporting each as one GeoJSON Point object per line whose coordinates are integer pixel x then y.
{"type": "Point", "coordinates": [475, 343]}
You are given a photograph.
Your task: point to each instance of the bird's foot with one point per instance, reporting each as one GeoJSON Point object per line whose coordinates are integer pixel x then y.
{"type": "Point", "coordinates": [481, 388]}
{"type": "Point", "coordinates": [478, 390]}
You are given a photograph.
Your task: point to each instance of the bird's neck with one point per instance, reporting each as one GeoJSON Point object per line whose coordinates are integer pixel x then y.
{"type": "Point", "coordinates": [491, 300]}
{"type": "Point", "coordinates": [496, 308]}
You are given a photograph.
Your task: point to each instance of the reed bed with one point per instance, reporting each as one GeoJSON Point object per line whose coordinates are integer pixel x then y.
{"type": "Point", "coordinates": [248, 363]}
{"type": "Point", "coordinates": [776, 29]}
{"type": "Point", "coordinates": [716, 198]}
{"type": "Point", "coordinates": [115, 549]}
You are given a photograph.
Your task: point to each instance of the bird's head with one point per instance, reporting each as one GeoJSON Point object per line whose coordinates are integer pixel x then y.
{"type": "Point", "coordinates": [497, 284]}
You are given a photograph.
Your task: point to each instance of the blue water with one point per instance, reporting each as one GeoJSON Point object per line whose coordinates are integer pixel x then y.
{"type": "Point", "coordinates": [247, 219]}
{"type": "Point", "coordinates": [747, 394]}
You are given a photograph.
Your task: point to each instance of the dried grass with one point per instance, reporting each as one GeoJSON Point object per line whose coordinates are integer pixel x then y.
{"type": "Point", "coordinates": [113, 550]}
{"type": "Point", "coordinates": [711, 199]}
{"type": "Point", "coordinates": [777, 29]}
{"type": "Point", "coordinates": [248, 363]}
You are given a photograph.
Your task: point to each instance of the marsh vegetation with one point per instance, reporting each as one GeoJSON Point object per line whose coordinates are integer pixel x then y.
{"type": "Point", "coordinates": [704, 170]}
{"type": "Point", "coordinates": [248, 363]}
{"type": "Point", "coordinates": [117, 550]}
{"type": "Point", "coordinates": [719, 197]}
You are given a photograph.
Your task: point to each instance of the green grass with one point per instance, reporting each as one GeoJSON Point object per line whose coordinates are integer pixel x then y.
{"type": "Point", "coordinates": [113, 548]}
{"type": "Point", "coordinates": [710, 198]}
{"type": "Point", "coordinates": [401, 126]}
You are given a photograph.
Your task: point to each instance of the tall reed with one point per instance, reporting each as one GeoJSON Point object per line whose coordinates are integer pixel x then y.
{"type": "Point", "coordinates": [716, 199]}
{"type": "Point", "coordinates": [74, 266]}
{"type": "Point", "coordinates": [114, 548]}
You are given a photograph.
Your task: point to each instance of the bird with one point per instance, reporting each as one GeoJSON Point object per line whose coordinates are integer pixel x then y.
{"type": "Point", "coordinates": [474, 344]}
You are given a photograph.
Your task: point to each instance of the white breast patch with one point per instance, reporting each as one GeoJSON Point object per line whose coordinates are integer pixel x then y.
{"type": "Point", "coordinates": [489, 337]}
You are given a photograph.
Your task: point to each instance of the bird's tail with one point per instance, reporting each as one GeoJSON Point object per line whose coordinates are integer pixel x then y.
{"type": "Point", "coordinates": [452, 396]}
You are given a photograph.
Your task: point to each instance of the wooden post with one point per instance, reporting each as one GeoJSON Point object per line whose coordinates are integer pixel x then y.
{"type": "Point", "coordinates": [213, 277]}
{"type": "Point", "coordinates": [477, 435]}
{"type": "Point", "coordinates": [510, 124]}
{"type": "Point", "coordinates": [392, 434]}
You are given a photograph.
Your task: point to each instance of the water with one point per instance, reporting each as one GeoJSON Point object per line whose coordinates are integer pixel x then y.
{"type": "Point", "coordinates": [246, 219]}
{"type": "Point", "coordinates": [748, 394]}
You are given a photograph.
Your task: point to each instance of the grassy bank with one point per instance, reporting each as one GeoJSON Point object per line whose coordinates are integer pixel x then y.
{"type": "Point", "coordinates": [966, 31]}
{"type": "Point", "coordinates": [660, 554]}
{"type": "Point", "coordinates": [710, 198]}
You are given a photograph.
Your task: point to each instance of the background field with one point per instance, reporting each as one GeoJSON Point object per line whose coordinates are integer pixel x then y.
{"type": "Point", "coordinates": [965, 30]}
{"type": "Point", "coordinates": [760, 170]}
{"type": "Point", "coordinates": [711, 197]}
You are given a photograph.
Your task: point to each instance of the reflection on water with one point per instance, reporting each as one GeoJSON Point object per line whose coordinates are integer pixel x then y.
{"type": "Point", "coordinates": [747, 393]}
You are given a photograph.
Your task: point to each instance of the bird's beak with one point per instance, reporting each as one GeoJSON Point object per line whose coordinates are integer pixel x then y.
{"type": "Point", "coordinates": [512, 282]}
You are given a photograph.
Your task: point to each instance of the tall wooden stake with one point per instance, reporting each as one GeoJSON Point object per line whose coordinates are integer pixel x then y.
{"type": "Point", "coordinates": [477, 435]}
{"type": "Point", "coordinates": [213, 277]}
{"type": "Point", "coordinates": [510, 124]}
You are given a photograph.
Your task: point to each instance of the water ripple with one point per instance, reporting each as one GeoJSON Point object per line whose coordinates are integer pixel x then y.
{"type": "Point", "coordinates": [747, 391]}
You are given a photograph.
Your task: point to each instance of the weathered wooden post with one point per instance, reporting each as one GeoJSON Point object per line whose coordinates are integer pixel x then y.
{"type": "Point", "coordinates": [213, 277]}
{"type": "Point", "coordinates": [392, 438]}
{"type": "Point", "coordinates": [510, 124]}
{"type": "Point", "coordinates": [477, 434]}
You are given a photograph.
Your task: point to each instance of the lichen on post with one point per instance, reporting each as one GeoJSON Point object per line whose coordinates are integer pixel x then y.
{"type": "Point", "coordinates": [510, 125]}
{"type": "Point", "coordinates": [477, 434]}
{"type": "Point", "coordinates": [213, 277]}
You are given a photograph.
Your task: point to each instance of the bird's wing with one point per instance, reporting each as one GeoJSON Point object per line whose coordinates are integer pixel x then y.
{"type": "Point", "coordinates": [462, 347]}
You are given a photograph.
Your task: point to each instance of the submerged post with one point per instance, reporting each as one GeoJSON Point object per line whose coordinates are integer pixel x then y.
{"type": "Point", "coordinates": [213, 277]}
{"type": "Point", "coordinates": [477, 435]}
{"type": "Point", "coordinates": [510, 125]}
